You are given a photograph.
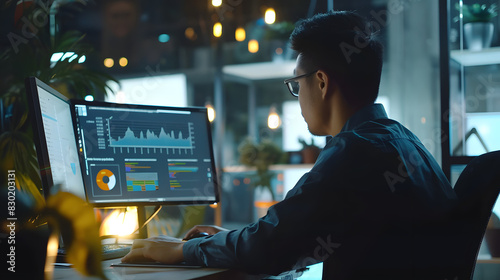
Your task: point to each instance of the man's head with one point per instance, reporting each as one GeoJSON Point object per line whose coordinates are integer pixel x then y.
{"type": "Point", "coordinates": [337, 49]}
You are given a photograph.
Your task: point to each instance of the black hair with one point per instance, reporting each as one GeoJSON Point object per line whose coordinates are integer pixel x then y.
{"type": "Point", "coordinates": [342, 44]}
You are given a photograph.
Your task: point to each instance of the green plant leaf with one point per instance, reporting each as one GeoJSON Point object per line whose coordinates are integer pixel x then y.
{"type": "Point", "coordinates": [27, 186]}
{"type": "Point", "coordinates": [75, 220]}
{"type": "Point", "coordinates": [477, 12]}
{"type": "Point", "coordinates": [17, 153]}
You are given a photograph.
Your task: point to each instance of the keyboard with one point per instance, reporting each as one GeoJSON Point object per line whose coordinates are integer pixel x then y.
{"type": "Point", "coordinates": [109, 251]}
{"type": "Point", "coordinates": [113, 251]}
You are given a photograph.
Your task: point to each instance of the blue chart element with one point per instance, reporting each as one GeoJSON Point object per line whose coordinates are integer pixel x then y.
{"type": "Point", "coordinates": [150, 140]}
{"type": "Point", "coordinates": [147, 181]}
{"type": "Point", "coordinates": [173, 170]}
{"type": "Point", "coordinates": [176, 169]}
{"type": "Point", "coordinates": [73, 168]}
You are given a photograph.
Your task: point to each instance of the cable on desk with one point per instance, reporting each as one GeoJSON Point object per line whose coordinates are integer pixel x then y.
{"type": "Point", "coordinates": [155, 212]}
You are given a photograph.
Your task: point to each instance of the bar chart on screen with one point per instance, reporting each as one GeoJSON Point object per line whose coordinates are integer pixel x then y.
{"type": "Point", "coordinates": [141, 177]}
{"type": "Point", "coordinates": [180, 172]}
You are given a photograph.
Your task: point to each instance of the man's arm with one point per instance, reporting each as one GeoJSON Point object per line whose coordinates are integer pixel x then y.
{"type": "Point", "coordinates": [288, 234]}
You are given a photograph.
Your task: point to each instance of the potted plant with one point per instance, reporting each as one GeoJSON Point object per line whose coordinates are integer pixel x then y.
{"type": "Point", "coordinates": [310, 151]}
{"type": "Point", "coordinates": [279, 31]}
{"type": "Point", "coordinates": [261, 156]}
{"type": "Point", "coordinates": [478, 28]}
{"type": "Point", "coordinates": [34, 230]}
{"type": "Point", "coordinates": [30, 55]}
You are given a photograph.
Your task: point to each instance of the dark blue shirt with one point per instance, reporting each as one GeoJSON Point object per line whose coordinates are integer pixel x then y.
{"type": "Point", "coordinates": [371, 206]}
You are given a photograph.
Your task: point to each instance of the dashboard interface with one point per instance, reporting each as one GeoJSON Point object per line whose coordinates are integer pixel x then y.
{"type": "Point", "coordinates": [144, 154]}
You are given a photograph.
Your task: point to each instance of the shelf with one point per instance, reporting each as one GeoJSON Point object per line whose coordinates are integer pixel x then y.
{"type": "Point", "coordinates": [488, 56]}
{"type": "Point", "coordinates": [242, 168]}
{"type": "Point", "coordinates": [487, 259]}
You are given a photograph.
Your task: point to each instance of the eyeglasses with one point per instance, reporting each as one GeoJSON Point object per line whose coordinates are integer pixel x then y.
{"type": "Point", "coordinates": [293, 85]}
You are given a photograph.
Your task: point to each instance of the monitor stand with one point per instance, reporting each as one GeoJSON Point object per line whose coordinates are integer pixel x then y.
{"type": "Point", "coordinates": [143, 221]}
{"type": "Point", "coordinates": [141, 216]}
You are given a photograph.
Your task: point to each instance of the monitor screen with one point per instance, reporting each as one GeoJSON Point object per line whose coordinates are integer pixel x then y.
{"type": "Point", "coordinates": [54, 138]}
{"type": "Point", "coordinates": [138, 154]}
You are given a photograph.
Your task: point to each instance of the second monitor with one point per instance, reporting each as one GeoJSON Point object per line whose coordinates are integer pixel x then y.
{"type": "Point", "coordinates": [133, 155]}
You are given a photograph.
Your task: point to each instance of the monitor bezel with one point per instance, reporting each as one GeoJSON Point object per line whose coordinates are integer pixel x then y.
{"type": "Point", "coordinates": [118, 204]}
{"type": "Point", "coordinates": [35, 114]}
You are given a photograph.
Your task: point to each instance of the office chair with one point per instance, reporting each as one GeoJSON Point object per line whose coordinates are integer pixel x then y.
{"type": "Point", "coordinates": [477, 190]}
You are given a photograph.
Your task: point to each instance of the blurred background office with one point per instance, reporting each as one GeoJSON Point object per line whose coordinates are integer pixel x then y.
{"type": "Point", "coordinates": [232, 57]}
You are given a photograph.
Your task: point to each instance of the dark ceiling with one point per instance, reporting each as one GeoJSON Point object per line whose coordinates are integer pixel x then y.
{"type": "Point", "coordinates": [131, 28]}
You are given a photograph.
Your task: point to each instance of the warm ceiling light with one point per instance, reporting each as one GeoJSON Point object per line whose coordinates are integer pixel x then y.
{"type": "Point", "coordinates": [270, 16]}
{"type": "Point", "coordinates": [189, 33]}
{"type": "Point", "coordinates": [210, 111]}
{"type": "Point", "coordinates": [216, 3]}
{"type": "Point", "coordinates": [240, 34]}
{"type": "Point", "coordinates": [253, 46]}
{"type": "Point", "coordinates": [273, 120]}
{"type": "Point", "coordinates": [123, 61]}
{"type": "Point", "coordinates": [218, 29]}
{"type": "Point", "coordinates": [109, 62]}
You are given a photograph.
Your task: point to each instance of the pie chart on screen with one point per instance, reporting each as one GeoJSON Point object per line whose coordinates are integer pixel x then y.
{"type": "Point", "coordinates": [105, 180]}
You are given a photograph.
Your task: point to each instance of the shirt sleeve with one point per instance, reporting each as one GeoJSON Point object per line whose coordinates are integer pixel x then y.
{"type": "Point", "coordinates": [289, 236]}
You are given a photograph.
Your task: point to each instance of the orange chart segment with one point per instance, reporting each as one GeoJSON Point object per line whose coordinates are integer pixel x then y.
{"type": "Point", "coordinates": [105, 180]}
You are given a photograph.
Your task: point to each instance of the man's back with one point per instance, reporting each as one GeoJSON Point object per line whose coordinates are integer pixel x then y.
{"type": "Point", "coordinates": [390, 195]}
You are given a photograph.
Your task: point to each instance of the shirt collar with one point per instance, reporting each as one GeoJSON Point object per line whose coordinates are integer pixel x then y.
{"type": "Point", "coordinates": [368, 113]}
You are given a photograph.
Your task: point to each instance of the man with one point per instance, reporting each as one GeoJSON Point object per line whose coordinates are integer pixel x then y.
{"type": "Point", "coordinates": [373, 205]}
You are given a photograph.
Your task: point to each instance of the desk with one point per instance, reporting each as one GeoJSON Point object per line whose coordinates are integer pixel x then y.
{"type": "Point", "coordinates": [135, 273]}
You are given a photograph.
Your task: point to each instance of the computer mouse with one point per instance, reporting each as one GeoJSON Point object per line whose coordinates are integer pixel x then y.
{"type": "Point", "coordinates": [198, 235]}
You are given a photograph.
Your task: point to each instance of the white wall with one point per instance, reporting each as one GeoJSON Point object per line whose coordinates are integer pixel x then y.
{"type": "Point", "coordinates": [294, 127]}
{"type": "Point", "coordinates": [165, 90]}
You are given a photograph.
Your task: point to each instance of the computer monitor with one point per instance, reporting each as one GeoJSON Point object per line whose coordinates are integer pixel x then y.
{"type": "Point", "coordinates": [139, 154]}
{"type": "Point", "coordinates": [116, 155]}
{"type": "Point", "coordinates": [54, 133]}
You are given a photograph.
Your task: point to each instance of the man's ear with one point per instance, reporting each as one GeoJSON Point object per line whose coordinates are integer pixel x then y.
{"type": "Point", "coordinates": [325, 84]}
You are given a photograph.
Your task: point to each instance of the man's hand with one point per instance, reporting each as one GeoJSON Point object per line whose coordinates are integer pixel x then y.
{"type": "Point", "coordinates": [211, 230]}
{"type": "Point", "coordinates": [162, 249]}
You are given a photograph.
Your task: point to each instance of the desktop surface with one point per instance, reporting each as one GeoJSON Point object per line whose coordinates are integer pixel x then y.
{"type": "Point", "coordinates": [147, 273]}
